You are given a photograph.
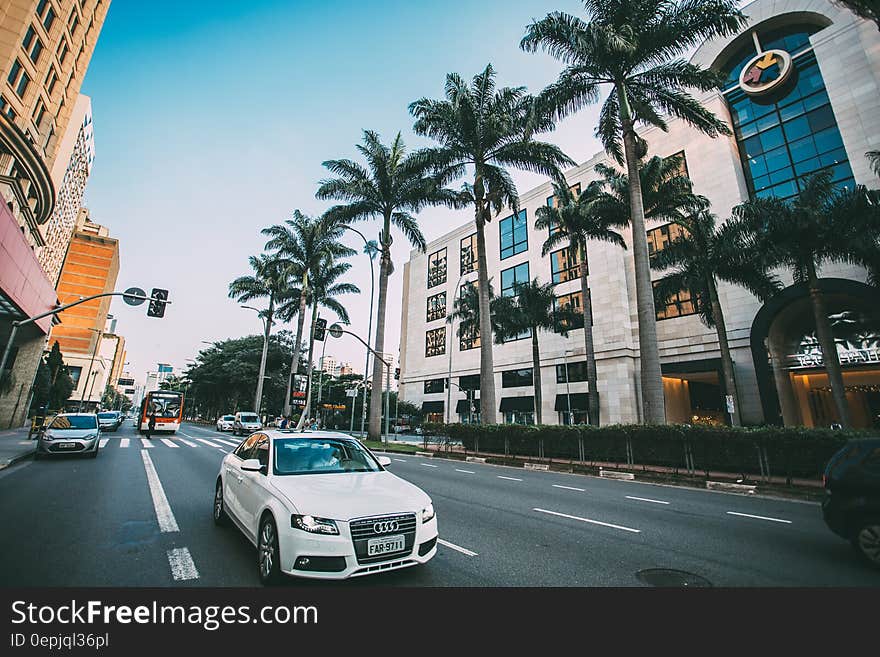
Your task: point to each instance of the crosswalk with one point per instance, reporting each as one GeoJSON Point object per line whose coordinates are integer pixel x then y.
{"type": "Point", "coordinates": [172, 442]}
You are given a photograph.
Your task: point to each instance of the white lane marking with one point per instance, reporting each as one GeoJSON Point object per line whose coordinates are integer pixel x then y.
{"type": "Point", "coordinates": [123, 442]}
{"type": "Point", "coordinates": [186, 442]}
{"type": "Point", "coordinates": [645, 499]}
{"type": "Point", "coordinates": [428, 465]}
{"type": "Point", "coordinates": [167, 522]}
{"type": "Point", "coordinates": [146, 443]}
{"type": "Point", "coordinates": [227, 442]}
{"type": "Point", "coordinates": [401, 460]}
{"type": "Point", "coordinates": [222, 450]}
{"type": "Point", "coordinates": [457, 548]}
{"type": "Point", "coordinates": [509, 478]}
{"type": "Point", "coordinates": [582, 490]}
{"type": "Point", "coordinates": [465, 471]}
{"type": "Point", "coordinates": [103, 443]}
{"type": "Point", "coordinates": [747, 515]}
{"type": "Point", "coordinates": [170, 443]}
{"type": "Point", "coordinates": [207, 442]}
{"type": "Point", "coordinates": [592, 522]}
{"type": "Point", "coordinates": [182, 565]}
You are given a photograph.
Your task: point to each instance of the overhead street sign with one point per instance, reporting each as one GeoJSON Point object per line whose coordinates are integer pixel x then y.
{"type": "Point", "coordinates": [134, 300]}
{"type": "Point", "coordinates": [336, 331]}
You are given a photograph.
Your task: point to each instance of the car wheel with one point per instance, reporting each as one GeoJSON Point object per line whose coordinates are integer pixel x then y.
{"type": "Point", "coordinates": [866, 542]}
{"type": "Point", "coordinates": [220, 517]}
{"type": "Point", "coordinates": [268, 557]}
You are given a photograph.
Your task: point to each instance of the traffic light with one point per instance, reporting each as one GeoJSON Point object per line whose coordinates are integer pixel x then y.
{"type": "Point", "coordinates": [320, 329]}
{"type": "Point", "coordinates": [157, 303]}
{"type": "Point", "coordinates": [397, 374]}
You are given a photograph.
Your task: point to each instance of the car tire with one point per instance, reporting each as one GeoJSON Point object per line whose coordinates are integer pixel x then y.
{"type": "Point", "coordinates": [268, 556]}
{"type": "Point", "coordinates": [221, 518]}
{"type": "Point", "coordinates": [866, 542]}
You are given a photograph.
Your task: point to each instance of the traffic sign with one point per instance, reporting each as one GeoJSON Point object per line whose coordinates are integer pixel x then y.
{"type": "Point", "coordinates": [336, 331]}
{"type": "Point", "coordinates": [134, 300]}
{"type": "Point", "coordinates": [351, 392]}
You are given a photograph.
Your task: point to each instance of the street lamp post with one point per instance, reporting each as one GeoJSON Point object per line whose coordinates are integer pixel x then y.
{"type": "Point", "coordinates": [267, 326]}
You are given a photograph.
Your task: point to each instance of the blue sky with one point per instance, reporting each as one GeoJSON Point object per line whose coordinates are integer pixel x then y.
{"type": "Point", "coordinates": [212, 120]}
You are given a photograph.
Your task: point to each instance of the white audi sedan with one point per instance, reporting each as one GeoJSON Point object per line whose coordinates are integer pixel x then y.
{"type": "Point", "coordinates": [319, 504]}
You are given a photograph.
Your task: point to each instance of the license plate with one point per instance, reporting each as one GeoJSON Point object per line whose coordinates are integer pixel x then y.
{"type": "Point", "coordinates": [68, 446]}
{"type": "Point", "coordinates": [385, 545]}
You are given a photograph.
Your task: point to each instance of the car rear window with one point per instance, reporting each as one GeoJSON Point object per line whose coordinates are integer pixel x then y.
{"type": "Point", "coordinates": [229, 417]}
{"type": "Point", "coordinates": [249, 418]}
{"type": "Point", "coordinates": [107, 416]}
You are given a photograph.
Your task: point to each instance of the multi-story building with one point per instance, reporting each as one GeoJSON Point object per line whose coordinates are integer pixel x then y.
{"type": "Point", "coordinates": [818, 108]}
{"type": "Point", "coordinates": [45, 49]}
{"type": "Point", "coordinates": [328, 365]}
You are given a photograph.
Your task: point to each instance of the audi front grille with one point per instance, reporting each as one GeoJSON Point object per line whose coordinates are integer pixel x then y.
{"type": "Point", "coordinates": [363, 529]}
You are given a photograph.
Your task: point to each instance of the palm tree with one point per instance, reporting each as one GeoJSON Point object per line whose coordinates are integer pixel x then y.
{"type": "Point", "coordinates": [821, 225]}
{"type": "Point", "coordinates": [487, 129]}
{"type": "Point", "coordinates": [392, 187]}
{"type": "Point", "coordinates": [532, 309]}
{"type": "Point", "coordinates": [874, 159]}
{"type": "Point", "coordinates": [698, 258]}
{"type": "Point", "coordinates": [322, 291]}
{"type": "Point", "coordinates": [271, 279]}
{"type": "Point", "coordinates": [634, 47]}
{"type": "Point", "coordinates": [573, 222]}
{"type": "Point", "coordinates": [304, 243]}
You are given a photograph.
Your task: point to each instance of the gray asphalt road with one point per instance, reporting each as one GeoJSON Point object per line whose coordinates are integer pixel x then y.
{"type": "Point", "coordinates": [84, 522]}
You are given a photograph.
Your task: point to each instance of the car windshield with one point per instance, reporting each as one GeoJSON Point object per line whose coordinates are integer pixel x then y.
{"type": "Point", "coordinates": [63, 422]}
{"type": "Point", "coordinates": [106, 416]}
{"type": "Point", "coordinates": [228, 418]}
{"type": "Point", "coordinates": [297, 456]}
{"type": "Point", "coordinates": [249, 418]}
{"type": "Point", "coordinates": [164, 405]}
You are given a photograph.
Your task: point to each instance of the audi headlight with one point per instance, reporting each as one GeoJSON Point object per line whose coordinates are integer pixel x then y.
{"type": "Point", "coordinates": [428, 512]}
{"type": "Point", "coordinates": [314, 525]}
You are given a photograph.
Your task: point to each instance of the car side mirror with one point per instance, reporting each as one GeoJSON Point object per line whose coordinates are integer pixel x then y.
{"type": "Point", "coordinates": [252, 465]}
{"type": "Point", "coordinates": [384, 461]}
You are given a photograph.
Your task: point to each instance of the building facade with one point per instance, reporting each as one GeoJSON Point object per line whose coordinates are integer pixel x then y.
{"type": "Point", "coordinates": [45, 49]}
{"type": "Point", "coordinates": [816, 107]}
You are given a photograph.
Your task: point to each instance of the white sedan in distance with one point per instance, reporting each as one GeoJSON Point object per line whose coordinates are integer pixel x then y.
{"type": "Point", "coordinates": [224, 422]}
{"type": "Point", "coordinates": [319, 504]}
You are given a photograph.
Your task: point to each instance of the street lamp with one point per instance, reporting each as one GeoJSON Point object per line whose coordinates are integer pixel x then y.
{"type": "Point", "coordinates": [267, 326]}
{"type": "Point", "coordinates": [370, 254]}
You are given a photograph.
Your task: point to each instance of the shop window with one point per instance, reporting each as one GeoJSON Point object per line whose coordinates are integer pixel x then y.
{"type": "Point", "coordinates": [517, 378]}
{"type": "Point", "coordinates": [576, 372]}
{"type": "Point", "coordinates": [437, 268]}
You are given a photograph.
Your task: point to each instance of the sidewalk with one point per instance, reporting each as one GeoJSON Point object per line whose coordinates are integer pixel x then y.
{"type": "Point", "coordinates": [15, 446]}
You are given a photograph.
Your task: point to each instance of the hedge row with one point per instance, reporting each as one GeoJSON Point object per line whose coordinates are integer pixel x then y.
{"type": "Point", "coordinates": [779, 451]}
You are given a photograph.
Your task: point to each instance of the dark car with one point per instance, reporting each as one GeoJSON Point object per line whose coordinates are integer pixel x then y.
{"type": "Point", "coordinates": [852, 497]}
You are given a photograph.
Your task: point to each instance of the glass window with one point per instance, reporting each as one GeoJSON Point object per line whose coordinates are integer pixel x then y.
{"type": "Point", "coordinates": [469, 254]}
{"type": "Point", "coordinates": [62, 51]}
{"type": "Point", "coordinates": [552, 201]}
{"type": "Point", "coordinates": [573, 303]}
{"type": "Point", "coordinates": [261, 451]}
{"type": "Point", "coordinates": [659, 237]}
{"type": "Point", "coordinates": [514, 234]}
{"type": "Point", "coordinates": [435, 385]}
{"type": "Point", "coordinates": [469, 382]}
{"type": "Point", "coordinates": [14, 73]}
{"type": "Point", "coordinates": [564, 265]}
{"type": "Point", "coordinates": [23, 83]}
{"type": "Point", "coordinates": [245, 450]}
{"type": "Point", "coordinates": [73, 21]}
{"type": "Point", "coordinates": [74, 422]}
{"type": "Point", "coordinates": [437, 268]}
{"type": "Point", "coordinates": [576, 372]}
{"type": "Point", "coordinates": [51, 81]}
{"type": "Point", "coordinates": [49, 19]}
{"type": "Point", "coordinates": [35, 51]}
{"type": "Point", "coordinates": [435, 342]}
{"type": "Point", "coordinates": [517, 378]}
{"type": "Point", "coordinates": [436, 307]}
{"type": "Point", "coordinates": [304, 456]}
{"type": "Point", "coordinates": [682, 169]}
{"type": "Point", "coordinates": [512, 278]}
{"type": "Point", "coordinates": [75, 373]}
{"type": "Point", "coordinates": [469, 338]}
{"type": "Point", "coordinates": [678, 305]}
{"type": "Point", "coordinates": [29, 37]}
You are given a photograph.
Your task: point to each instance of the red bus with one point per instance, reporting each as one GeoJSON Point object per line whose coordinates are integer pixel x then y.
{"type": "Point", "coordinates": [168, 407]}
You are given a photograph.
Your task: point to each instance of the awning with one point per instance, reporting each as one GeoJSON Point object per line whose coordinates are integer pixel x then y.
{"type": "Point", "coordinates": [579, 401]}
{"type": "Point", "coordinates": [523, 404]}
{"type": "Point", "coordinates": [461, 408]}
{"type": "Point", "coordinates": [432, 406]}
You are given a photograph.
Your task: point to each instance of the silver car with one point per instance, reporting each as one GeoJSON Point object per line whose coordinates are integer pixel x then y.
{"type": "Point", "coordinates": [108, 421]}
{"type": "Point", "coordinates": [70, 433]}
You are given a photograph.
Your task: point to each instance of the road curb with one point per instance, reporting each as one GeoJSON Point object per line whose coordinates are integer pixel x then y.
{"type": "Point", "coordinates": [18, 457]}
{"type": "Point", "coordinates": [536, 466]}
{"type": "Point", "coordinates": [475, 459]}
{"type": "Point", "coordinates": [732, 488]}
{"type": "Point", "coordinates": [429, 454]}
{"type": "Point", "coordinates": [614, 474]}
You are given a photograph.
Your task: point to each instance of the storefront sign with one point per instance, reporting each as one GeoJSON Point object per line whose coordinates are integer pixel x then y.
{"type": "Point", "coordinates": [846, 356]}
{"type": "Point", "coordinates": [765, 72]}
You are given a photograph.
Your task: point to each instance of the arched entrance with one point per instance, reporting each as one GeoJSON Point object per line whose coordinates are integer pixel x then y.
{"type": "Point", "coordinates": [792, 381]}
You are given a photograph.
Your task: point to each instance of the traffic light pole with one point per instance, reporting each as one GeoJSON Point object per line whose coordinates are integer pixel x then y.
{"type": "Point", "coordinates": [31, 320]}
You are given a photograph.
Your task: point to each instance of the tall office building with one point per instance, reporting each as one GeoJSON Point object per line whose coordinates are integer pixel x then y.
{"type": "Point", "coordinates": [45, 49]}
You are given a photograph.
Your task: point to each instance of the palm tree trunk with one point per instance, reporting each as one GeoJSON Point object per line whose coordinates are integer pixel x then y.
{"type": "Point", "coordinates": [267, 329]}
{"type": "Point", "coordinates": [375, 425]}
{"type": "Point", "coordinates": [302, 417]}
{"type": "Point", "coordinates": [829, 348]}
{"type": "Point", "coordinates": [653, 404]}
{"type": "Point", "coordinates": [589, 347]}
{"type": "Point", "coordinates": [724, 346]}
{"type": "Point", "coordinates": [294, 363]}
{"type": "Point", "coordinates": [487, 366]}
{"type": "Point", "coordinates": [536, 377]}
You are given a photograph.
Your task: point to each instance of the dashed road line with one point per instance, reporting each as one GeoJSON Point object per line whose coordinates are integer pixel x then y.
{"type": "Point", "coordinates": [124, 442]}
{"type": "Point", "coordinates": [182, 565]}
{"type": "Point", "coordinates": [509, 478]}
{"type": "Point", "coordinates": [401, 460]}
{"type": "Point", "coordinates": [457, 548]}
{"type": "Point", "coordinates": [465, 471]}
{"type": "Point", "coordinates": [146, 443]}
{"type": "Point", "coordinates": [748, 515]}
{"type": "Point", "coordinates": [170, 443]}
{"type": "Point", "coordinates": [167, 522]}
{"type": "Point", "coordinates": [428, 465]}
{"type": "Point", "coordinates": [581, 490]}
{"type": "Point", "coordinates": [645, 499]}
{"type": "Point", "coordinates": [207, 442]}
{"type": "Point", "coordinates": [588, 520]}
{"type": "Point", "coordinates": [186, 442]}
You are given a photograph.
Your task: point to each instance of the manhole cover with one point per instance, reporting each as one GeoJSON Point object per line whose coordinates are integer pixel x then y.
{"type": "Point", "coordinates": [667, 577]}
